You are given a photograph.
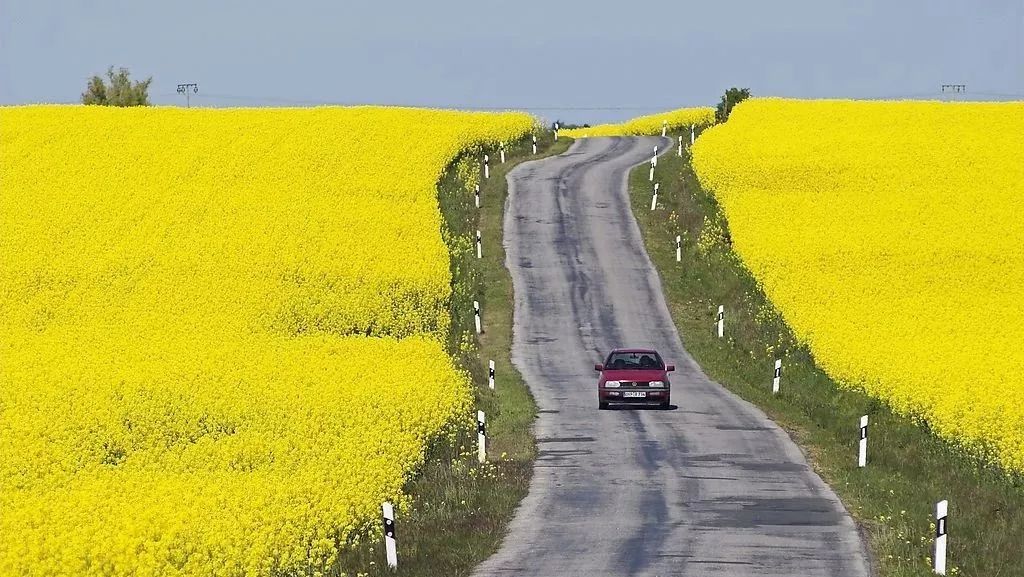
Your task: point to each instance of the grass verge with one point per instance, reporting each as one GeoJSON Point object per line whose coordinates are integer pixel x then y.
{"type": "Point", "coordinates": [908, 470]}
{"type": "Point", "coordinates": [460, 507]}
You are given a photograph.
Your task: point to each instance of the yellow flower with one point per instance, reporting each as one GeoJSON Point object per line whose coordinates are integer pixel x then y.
{"type": "Point", "coordinates": [220, 331]}
{"type": "Point", "coordinates": [651, 124]}
{"type": "Point", "coordinates": [888, 234]}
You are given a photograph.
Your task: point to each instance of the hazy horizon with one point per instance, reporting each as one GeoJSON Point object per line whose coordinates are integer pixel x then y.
{"type": "Point", "coordinates": [576, 61]}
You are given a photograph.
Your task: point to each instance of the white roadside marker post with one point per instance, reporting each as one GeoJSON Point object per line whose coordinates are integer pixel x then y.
{"type": "Point", "coordinates": [650, 177]}
{"type": "Point", "coordinates": [490, 375]}
{"type": "Point", "coordinates": [476, 196]}
{"type": "Point", "coordinates": [721, 321]}
{"type": "Point", "coordinates": [487, 166]}
{"type": "Point", "coordinates": [654, 199]}
{"type": "Point", "coordinates": [556, 132]}
{"type": "Point", "coordinates": [692, 137]}
{"type": "Point", "coordinates": [535, 144]}
{"type": "Point", "coordinates": [941, 528]}
{"type": "Point", "coordinates": [390, 550]}
{"type": "Point", "coordinates": [503, 153]}
{"type": "Point", "coordinates": [476, 315]}
{"type": "Point", "coordinates": [679, 248]}
{"type": "Point", "coordinates": [654, 159]}
{"type": "Point", "coordinates": [479, 245]}
{"type": "Point", "coordinates": [481, 437]}
{"type": "Point", "coordinates": [664, 128]}
{"type": "Point", "coordinates": [862, 455]}
{"type": "Point", "coordinates": [778, 376]}
{"type": "Point", "coordinates": [680, 146]}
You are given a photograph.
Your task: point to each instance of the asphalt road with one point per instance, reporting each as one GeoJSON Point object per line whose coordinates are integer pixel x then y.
{"type": "Point", "coordinates": [712, 487]}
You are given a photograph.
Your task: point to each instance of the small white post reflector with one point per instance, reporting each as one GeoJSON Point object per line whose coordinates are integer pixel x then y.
{"type": "Point", "coordinates": [680, 146]}
{"type": "Point", "coordinates": [476, 315]}
{"type": "Point", "coordinates": [490, 375]}
{"type": "Point", "coordinates": [941, 528]}
{"type": "Point", "coordinates": [535, 144]}
{"type": "Point", "coordinates": [481, 437]}
{"type": "Point", "coordinates": [664, 128]}
{"type": "Point", "coordinates": [862, 455]}
{"type": "Point", "coordinates": [503, 153]}
{"type": "Point", "coordinates": [654, 199]}
{"type": "Point", "coordinates": [692, 137]}
{"type": "Point", "coordinates": [556, 131]}
{"type": "Point", "coordinates": [476, 196]}
{"type": "Point", "coordinates": [650, 177]}
{"type": "Point", "coordinates": [777, 379]}
{"type": "Point", "coordinates": [487, 166]}
{"type": "Point", "coordinates": [721, 321]}
{"type": "Point", "coordinates": [388, 511]}
{"type": "Point", "coordinates": [479, 245]}
{"type": "Point", "coordinates": [679, 248]}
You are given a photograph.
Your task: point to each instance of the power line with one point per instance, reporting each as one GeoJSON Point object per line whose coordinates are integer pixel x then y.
{"type": "Point", "coordinates": [1000, 94]}
{"type": "Point", "coordinates": [184, 89]}
{"type": "Point", "coordinates": [305, 102]}
{"type": "Point", "coordinates": [934, 95]}
{"type": "Point", "coordinates": [271, 100]}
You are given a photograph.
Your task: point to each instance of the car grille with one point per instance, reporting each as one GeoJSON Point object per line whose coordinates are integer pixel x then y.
{"type": "Point", "coordinates": [634, 383]}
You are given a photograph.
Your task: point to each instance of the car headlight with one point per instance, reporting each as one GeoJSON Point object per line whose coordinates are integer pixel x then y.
{"type": "Point", "coordinates": [656, 384]}
{"type": "Point", "coordinates": [611, 384]}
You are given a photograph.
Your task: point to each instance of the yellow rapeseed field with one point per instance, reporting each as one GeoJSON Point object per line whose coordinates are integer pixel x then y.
{"type": "Point", "coordinates": [890, 236]}
{"type": "Point", "coordinates": [220, 331]}
{"type": "Point", "coordinates": [190, 458]}
{"type": "Point", "coordinates": [651, 124]}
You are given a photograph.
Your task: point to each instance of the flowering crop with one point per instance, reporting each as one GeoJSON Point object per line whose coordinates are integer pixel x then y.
{"type": "Point", "coordinates": [303, 220]}
{"type": "Point", "coordinates": [889, 235]}
{"type": "Point", "coordinates": [651, 124]}
{"type": "Point", "coordinates": [220, 331]}
{"type": "Point", "coordinates": [184, 459]}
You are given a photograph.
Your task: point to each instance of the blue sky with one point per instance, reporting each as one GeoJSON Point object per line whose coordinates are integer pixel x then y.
{"type": "Point", "coordinates": [553, 56]}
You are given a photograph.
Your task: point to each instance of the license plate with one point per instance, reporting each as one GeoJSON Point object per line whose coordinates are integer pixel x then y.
{"type": "Point", "coordinates": [634, 394]}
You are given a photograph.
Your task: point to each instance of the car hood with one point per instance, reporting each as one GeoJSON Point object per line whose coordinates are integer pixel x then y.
{"type": "Point", "coordinates": [634, 375]}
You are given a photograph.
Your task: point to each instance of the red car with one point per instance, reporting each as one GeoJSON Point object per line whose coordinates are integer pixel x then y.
{"type": "Point", "coordinates": [634, 377]}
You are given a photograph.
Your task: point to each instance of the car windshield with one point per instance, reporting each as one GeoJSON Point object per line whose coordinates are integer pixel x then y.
{"type": "Point", "coordinates": [634, 361]}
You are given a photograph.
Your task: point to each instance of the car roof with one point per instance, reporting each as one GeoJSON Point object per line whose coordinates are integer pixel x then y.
{"type": "Point", "coordinates": [634, 351]}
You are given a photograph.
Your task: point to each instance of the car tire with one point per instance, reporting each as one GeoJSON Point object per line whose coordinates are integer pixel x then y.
{"type": "Point", "coordinates": [601, 405]}
{"type": "Point", "coordinates": [665, 405]}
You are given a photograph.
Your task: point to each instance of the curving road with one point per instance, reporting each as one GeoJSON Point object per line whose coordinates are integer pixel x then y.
{"type": "Point", "coordinates": [711, 488]}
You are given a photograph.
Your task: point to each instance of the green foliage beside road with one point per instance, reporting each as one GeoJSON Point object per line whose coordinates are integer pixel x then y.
{"type": "Point", "coordinates": [908, 470]}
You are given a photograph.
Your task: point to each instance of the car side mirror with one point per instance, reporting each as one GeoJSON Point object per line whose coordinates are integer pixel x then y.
{"type": "Point", "coordinates": [598, 367]}
{"type": "Point", "coordinates": [670, 368]}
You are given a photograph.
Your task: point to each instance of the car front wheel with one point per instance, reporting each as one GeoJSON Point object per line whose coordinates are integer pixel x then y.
{"type": "Point", "coordinates": [602, 405]}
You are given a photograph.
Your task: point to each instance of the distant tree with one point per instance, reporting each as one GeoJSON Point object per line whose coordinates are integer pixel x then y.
{"type": "Point", "coordinates": [730, 99]}
{"type": "Point", "coordinates": [119, 91]}
{"type": "Point", "coordinates": [568, 125]}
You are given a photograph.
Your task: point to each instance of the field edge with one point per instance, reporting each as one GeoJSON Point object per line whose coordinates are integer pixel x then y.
{"type": "Point", "coordinates": [461, 508]}
{"type": "Point", "coordinates": [909, 470]}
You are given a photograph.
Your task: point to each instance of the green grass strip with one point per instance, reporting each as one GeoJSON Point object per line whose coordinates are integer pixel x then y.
{"type": "Point", "coordinates": [908, 470]}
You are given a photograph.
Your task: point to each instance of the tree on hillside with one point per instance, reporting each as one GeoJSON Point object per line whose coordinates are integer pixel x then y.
{"type": "Point", "coordinates": [730, 99]}
{"type": "Point", "coordinates": [568, 125]}
{"type": "Point", "coordinates": [118, 91]}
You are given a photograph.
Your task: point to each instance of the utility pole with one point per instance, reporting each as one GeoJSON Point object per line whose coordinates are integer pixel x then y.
{"type": "Point", "coordinates": [184, 88]}
{"type": "Point", "coordinates": [954, 89]}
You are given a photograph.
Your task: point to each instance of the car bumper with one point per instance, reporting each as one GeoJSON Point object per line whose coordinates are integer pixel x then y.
{"type": "Point", "coordinates": [651, 397]}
